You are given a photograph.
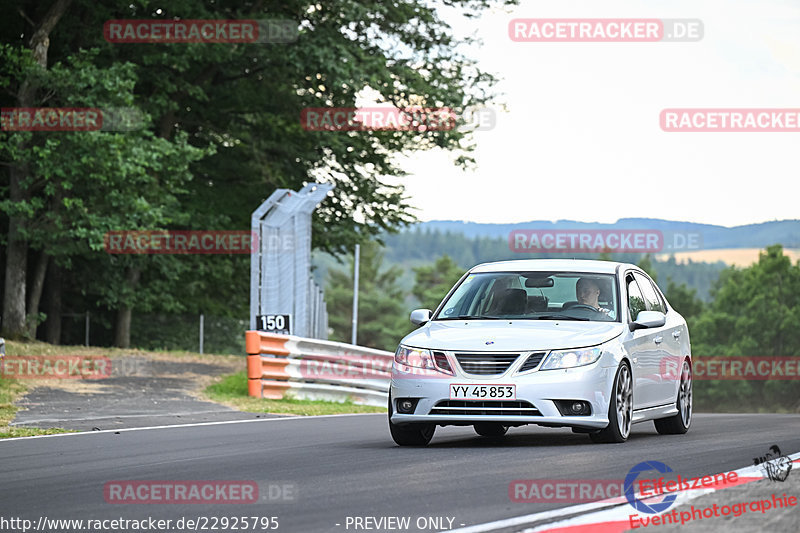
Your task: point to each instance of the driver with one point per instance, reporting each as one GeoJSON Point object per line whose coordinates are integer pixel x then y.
{"type": "Point", "coordinates": [587, 291]}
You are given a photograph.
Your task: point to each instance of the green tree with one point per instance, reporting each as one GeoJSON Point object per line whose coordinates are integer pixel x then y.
{"type": "Point", "coordinates": [684, 300]}
{"type": "Point", "coordinates": [646, 264]}
{"type": "Point", "coordinates": [382, 314]}
{"type": "Point", "coordinates": [240, 106]}
{"type": "Point", "coordinates": [434, 281]}
{"type": "Point", "coordinates": [79, 185]}
{"type": "Point", "coordinates": [755, 312]}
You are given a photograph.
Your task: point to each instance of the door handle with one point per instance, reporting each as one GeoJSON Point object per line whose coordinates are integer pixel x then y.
{"type": "Point", "coordinates": [676, 334]}
{"type": "Point", "coordinates": [658, 339]}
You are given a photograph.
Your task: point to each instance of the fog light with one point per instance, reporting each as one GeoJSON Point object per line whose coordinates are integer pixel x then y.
{"type": "Point", "coordinates": [407, 406]}
{"type": "Point", "coordinates": [573, 407]}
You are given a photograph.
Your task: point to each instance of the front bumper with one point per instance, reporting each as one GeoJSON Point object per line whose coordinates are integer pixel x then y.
{"type": "Point", "coordinates": [591, 383]}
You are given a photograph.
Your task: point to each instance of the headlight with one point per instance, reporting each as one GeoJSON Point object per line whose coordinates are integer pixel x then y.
{"type": "Point", "coordinates": [414, 357]}
{"type": "Point", "coordinates": [571, 358]}
{"type": "Point", "coordinates": [420, 362]}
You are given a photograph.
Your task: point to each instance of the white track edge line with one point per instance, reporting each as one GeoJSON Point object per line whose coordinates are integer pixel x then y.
{"type": "Point", "coordinates": [196, 424]}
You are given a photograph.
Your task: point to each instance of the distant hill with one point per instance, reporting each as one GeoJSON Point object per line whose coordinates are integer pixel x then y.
{"type": "Point", "coordinates": [470, 243]}
{"type": "Point", "coordinates": [785, 232]}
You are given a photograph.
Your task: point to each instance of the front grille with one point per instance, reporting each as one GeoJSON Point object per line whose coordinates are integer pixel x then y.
{"type": "Point", "coordinates": [532, 361]}
{"type": "Point", "coordinates": [485, 408]}
{"type": "Point", "coordinates": [485, 364]}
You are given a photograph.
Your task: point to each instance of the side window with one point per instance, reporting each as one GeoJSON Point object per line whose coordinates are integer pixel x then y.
{"type": "Point", "coordinates": [650, 295]}
{"type": "Point", "coordinates": [635, 299]}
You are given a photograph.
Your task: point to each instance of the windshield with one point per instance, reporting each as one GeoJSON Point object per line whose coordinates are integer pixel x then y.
{"type": "Point", "coordinates": [533, 296]}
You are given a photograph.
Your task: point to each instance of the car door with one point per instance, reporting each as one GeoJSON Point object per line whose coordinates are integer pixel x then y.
{"type": "Point", "coordinates": [677, 343]}
{"type": "Point", "coordinates": [642, 349]}
{"type": "Point", "coordinates": [665, 339]}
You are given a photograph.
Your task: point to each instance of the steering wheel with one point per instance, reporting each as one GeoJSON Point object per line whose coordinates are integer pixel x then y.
{"type": "Point", "coordinates": [584, 306]}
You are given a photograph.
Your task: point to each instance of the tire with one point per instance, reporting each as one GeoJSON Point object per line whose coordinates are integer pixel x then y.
{"type": "Point", "coordinates": [679, 424]}
{"type": "Point", "coordinates": [410, 434]}
{"type": "Point", "coordinates": [620, 409]}
{"type": "Point", "coordinates": [490, 429]}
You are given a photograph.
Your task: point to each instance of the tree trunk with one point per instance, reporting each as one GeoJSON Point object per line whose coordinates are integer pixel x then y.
{"type": "Point", "coordinates": [35, 294]}
{"type": "Point", "coordinates": [17, 257]}
{"type": "Point", "coordinates": [16, 267]}
{"type": "Point", "coordinates": [53, 323]}
{"type": "Point", "coordinates": [122, 328]}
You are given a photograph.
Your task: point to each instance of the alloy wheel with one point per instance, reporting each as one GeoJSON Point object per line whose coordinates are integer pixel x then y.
{"type": "Point", "coordinates": [624, 401]}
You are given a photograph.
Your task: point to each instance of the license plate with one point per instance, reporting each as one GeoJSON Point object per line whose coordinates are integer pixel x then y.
{"type": "Point", "coordinates": [482, 392]}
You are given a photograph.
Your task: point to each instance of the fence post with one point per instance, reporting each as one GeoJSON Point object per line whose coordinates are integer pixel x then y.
{"type": "Point", "coordinates": [356, 259]}
{"type": "Point", "coordinates": [86, 339]}
{"type": "Point", "coordinates": [201, 332]}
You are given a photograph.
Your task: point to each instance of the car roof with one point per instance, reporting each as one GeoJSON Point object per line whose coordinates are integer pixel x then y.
{"type": "Point", "coordinates": [566, 265]}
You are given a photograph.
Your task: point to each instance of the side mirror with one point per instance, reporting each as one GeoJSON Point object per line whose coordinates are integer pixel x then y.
{"type": "Point", "coordinates": [649, 319]}
{"type": "Point", "coordinates": [420, 316]}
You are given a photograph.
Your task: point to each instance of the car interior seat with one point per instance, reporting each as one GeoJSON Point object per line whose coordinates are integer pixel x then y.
{"type": "Point", "coordinates": [514, 302]}
{"type": "Point", "coordinates": [537, 303]}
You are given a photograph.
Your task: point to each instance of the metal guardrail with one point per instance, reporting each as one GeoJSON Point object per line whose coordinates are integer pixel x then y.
{"type": "Point", "coordinates": [286, 366]}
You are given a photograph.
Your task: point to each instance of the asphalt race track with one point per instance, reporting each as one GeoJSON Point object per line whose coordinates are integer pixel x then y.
{"type": "Point", "coordinates": [348, 466]}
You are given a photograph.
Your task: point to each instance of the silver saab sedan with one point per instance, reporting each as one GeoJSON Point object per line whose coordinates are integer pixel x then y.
{"type": "Point", "coordinates": [591, 345]}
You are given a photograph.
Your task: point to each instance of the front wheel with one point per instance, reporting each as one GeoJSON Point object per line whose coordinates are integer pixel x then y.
{"type": "Point", "coordinates": [410, 434]}
{"type": "Point", "coordinates": [678, 424]}
{"type": "Point", "coordinates": [620, 409]}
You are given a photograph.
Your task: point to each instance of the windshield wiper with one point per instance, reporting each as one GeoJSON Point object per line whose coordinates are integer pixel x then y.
{"type": "Point", "coordinates": [559, 317]}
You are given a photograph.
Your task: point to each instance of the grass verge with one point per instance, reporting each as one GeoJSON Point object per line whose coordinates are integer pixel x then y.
{"type": "Point", "coordinates": [231, 390]}
{"type": "Point", "coordinates": [10, 390]}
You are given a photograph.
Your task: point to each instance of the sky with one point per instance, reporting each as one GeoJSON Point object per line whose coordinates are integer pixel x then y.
{"type": "Point", "coordinates": [581, 139]}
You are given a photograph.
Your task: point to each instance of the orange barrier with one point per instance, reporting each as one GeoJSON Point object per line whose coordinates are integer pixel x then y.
{"type": "Point", "coordinates": [258, 342]}
{"type": "Point", "coordinates": [315, 369]}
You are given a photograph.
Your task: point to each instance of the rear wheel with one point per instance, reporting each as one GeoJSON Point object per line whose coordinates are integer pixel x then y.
{"type": "Point", "coordinates": [620, 409]}
{"type": "Point", "coordinates": [490, 429]}
{"type": "Point", "coordinates": [678, 424]}
{"type": "Point", "coordinates": [410, 434]}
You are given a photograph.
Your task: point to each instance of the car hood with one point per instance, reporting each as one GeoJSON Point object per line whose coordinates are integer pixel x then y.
{"type": "Point", "coordinates": [511, 335]}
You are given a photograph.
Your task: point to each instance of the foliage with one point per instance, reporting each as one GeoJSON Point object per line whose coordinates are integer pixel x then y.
{"type": "Point", "coordinates": [684, 300]}
{"type": "Point", "coordinates": [382, 315]}
{"type": "Point", "coordinates": [434, 281]}
{"type": "Point", "coordinates": [646, 264]}
{"type": "Point", "coordinates": [755, 312]}
{"type": "Point", "coordinates": [221, 131]}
